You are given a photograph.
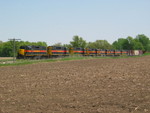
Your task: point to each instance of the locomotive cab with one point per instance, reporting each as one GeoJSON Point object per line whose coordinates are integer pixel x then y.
{"type": "Point", "coordinates": [32, 52]}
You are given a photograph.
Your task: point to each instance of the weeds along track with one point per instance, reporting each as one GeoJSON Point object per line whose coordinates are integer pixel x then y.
{"type": "Point", "coordinates": [82, 86]}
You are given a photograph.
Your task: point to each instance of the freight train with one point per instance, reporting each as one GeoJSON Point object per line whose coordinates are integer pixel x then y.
{"type": "Point", "coordinates": [39, 52]}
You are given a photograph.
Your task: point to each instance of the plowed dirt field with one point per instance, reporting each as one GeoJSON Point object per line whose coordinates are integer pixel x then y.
{"type": "Point", "coordinates": [85, 86]}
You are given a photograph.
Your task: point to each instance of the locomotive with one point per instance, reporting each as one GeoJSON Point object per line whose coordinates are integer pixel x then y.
{"type": "Point", "coordinates": [39, 52]}
{"type": "Point", "coordinates": [32, 52]}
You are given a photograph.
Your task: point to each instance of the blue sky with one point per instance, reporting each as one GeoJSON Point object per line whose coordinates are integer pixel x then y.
{"type": "Point", "coordinates": [56, 21]}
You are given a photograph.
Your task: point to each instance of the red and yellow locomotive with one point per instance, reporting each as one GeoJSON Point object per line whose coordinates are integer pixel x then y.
{"type": "Point", "coordinates": [32, 52]}
{"type": "Point", "coordinates": [54, 51]}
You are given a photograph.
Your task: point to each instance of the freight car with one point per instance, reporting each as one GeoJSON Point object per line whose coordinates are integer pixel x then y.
{"type": "Point", "coordinates": [135, 52]}
{"type": "Point", "coordinates": [54, 51]}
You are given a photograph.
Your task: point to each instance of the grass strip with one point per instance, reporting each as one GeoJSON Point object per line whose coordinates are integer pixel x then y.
{"type": "Point", "coordinates": [19, 62]}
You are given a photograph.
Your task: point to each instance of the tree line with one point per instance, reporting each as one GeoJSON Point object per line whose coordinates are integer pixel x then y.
{"type": "Point", "coordinates": [6, 48]}
{"type": "Point", "coordinates": [140, 42]}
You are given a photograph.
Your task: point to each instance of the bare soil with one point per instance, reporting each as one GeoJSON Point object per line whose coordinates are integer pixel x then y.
{"type": "Point", "coordinates": [5, 58]}
{"type": "Point", "coordinates": [85, 86]}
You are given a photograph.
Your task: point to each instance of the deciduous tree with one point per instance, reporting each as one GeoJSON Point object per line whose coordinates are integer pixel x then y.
{"type": "Point", "coordinates": [78, 42]}
{"type": "Point", "coordinates": [100, 44]}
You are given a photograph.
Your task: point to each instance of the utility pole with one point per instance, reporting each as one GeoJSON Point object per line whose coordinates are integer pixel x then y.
{"type": "Point", "coordinates": [14, 47]}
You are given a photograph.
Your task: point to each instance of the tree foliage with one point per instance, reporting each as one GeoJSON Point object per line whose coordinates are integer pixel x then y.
{"type": "Point", "coordinates": [78, 42]}
{"type": "Point", "coordinates": [100, 44]}
{"type": "Point", "coordinates": [67, 45]}
{"type": "Point", "coordinates": [120, 44]}
{"type": "Point", "coordinates": [141, 42]}
{"type": "Point", "coordinates": [59, 44]}
{"type": "Point", "coordinates": [144, 40]}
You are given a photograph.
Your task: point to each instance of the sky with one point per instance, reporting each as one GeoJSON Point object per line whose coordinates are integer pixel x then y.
{"type": "Point", "coordinates": [57, 21]}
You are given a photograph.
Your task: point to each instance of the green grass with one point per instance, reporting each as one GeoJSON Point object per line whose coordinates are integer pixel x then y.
{"type": "Point", "coordinates": [19, 62]}
{"type": "Point", "coordinates": [145, 54]}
